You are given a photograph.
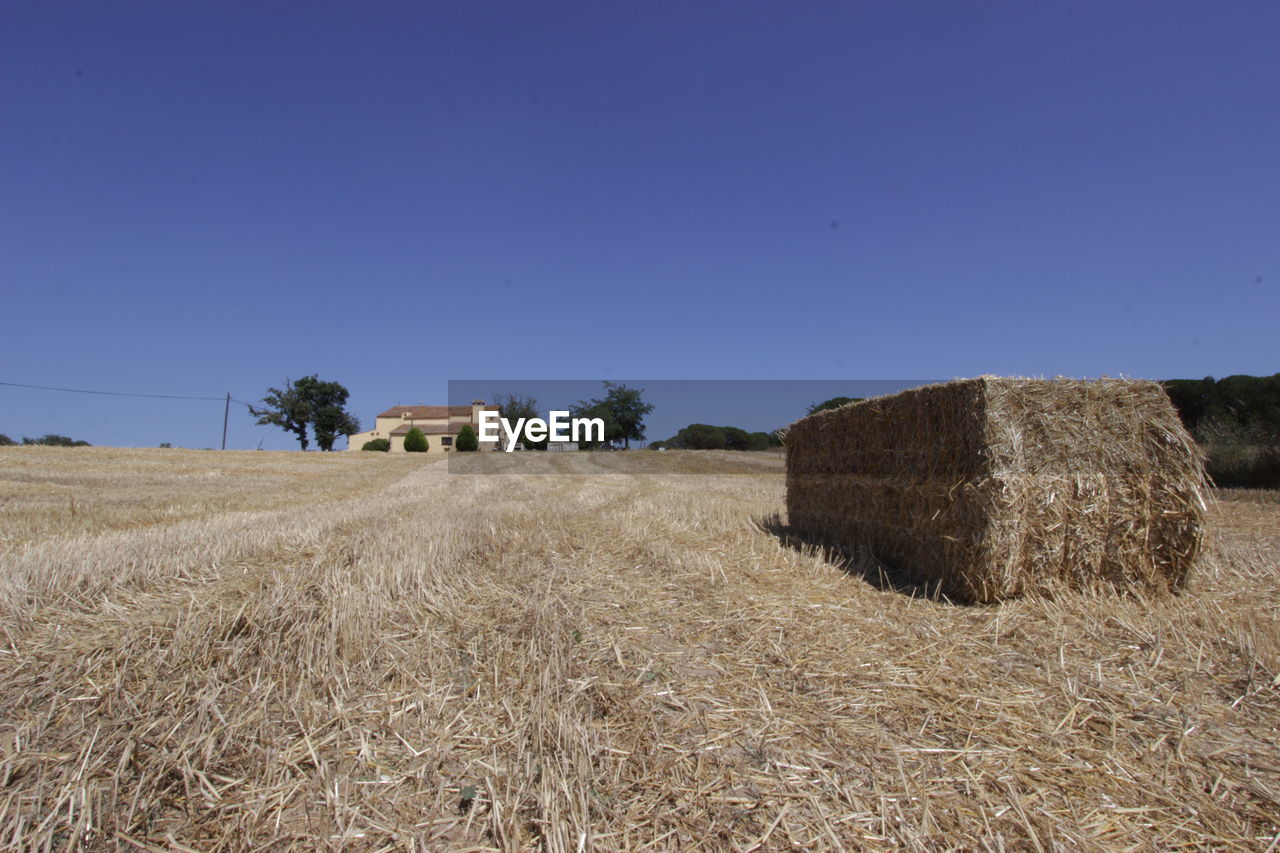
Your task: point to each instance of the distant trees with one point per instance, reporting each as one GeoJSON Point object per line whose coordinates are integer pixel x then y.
{"type": "Point", "coordinates": [833, 403]}
{"type": "Point", "coordinates": [764, 440]}
{"type": "Point", "coordinates": [1237, 421]}
{"type": "Point", "coordinates": [55, 440]}
{"type": "Point", "coordinates": [515, 407]}
{"type": "Point", "coordinates": [622, 409]}
{"type": "Point", "coordinates": [48, 440]}
{"type": "Point", "coordinates": [309, 403]}
{"type": "Point", "coordinates": [381, 445]}
{"type": "Point", "coordinates": [699, 437]}
{"type": "Point", "coordinates": [1240, 406]}
{"type": "Point", "coordinates": [1243, 466]}
{"type": "Point", "coordinates": [415, 441]}
{"type": "Point", "coordinates": [707, 437]}
{"type": "Point", "coordinates": [736, 439]}
{"type": "Point", "coordinates": [467, 441]}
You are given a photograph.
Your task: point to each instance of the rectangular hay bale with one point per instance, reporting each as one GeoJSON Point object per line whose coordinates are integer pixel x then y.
{"type": "Point", "coordinates": [991, 488]}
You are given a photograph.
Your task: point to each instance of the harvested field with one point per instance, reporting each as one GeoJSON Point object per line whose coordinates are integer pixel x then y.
{"type": "Point", "coordinates": [267, 650]}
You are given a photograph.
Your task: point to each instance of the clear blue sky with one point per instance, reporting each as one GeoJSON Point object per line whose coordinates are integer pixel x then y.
{"type": "Point", "coordinates": [209, 197]}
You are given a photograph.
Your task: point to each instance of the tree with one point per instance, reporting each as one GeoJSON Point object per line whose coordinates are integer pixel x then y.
{"type": "Point", "coordinates": [833, 403]}
{"type": "Point", "coordinates": [514, 407]}
{"type": "Point", "coordinates": [309, 402]}
{"type": "Point", "coordinates": [736, 439]}
{"type": "Point", "coordinates": [700, 437]}
{"type": "Point", "coordinates": [5, 441]}
{"type": "Point", "coordinates": [622, 410]}
{"type": "Point", "coordinates": [381, 445]}
{"type": "Point", "coordinates": [629, 409]}
{"type": "Point", "coordinates": [466, 442]}
{"type": "Point", "coordinates": [1192, 398]}
{"type": "Point", "coordinates": [415, 441]}
{"type": "Point", "coordinates": [596, 409]}
{"type": "Point", "coordinates": [331, 418]}
{"type": "Point", "coordinates": [288, 408]}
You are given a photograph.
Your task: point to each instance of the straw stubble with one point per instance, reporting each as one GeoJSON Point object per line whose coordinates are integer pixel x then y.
{"type": "Point", "coordinates": [321, 651]}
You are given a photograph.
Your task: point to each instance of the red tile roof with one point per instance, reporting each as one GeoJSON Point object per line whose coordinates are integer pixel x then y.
{"type": "Point", "coordinates": [428, 429]}
{"type": "Point", "coordinates": [431, 413]}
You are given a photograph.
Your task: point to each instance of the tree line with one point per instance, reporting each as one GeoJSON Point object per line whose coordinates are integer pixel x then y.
{"type": "Point", "coordinates": [1236, 420]}
{"type": "Point", "coordinates": [622, 409]}
{"type": "Point", "coordinates": [47, 440]}
{"type": "Point", "coordinates": [311, 405]}
{"type": "Point", "coordinates": [1232, 408]}
{"type": "Point", "coordinates": [708, 437]}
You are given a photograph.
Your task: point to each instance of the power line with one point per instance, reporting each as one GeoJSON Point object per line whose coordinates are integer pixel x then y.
{"type": "Point", "coordinates": [114, 393]}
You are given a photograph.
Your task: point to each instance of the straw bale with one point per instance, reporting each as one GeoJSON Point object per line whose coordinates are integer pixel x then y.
{"type": "Point", "coordinates": [991, 488]}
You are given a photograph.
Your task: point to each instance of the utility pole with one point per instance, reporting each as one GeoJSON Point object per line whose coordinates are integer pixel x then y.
{"type": "Point", "coordinates": [226, 412]}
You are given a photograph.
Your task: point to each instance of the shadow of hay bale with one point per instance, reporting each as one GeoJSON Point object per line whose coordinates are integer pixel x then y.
{"type": "Point", "coordinates": [859, 562]}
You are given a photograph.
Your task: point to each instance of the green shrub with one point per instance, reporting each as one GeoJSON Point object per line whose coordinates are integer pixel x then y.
{"type": "Point", "coordinates": [415, 441]}
{"type": "Point", "coordinates": [5, 441]}
{"type": "Point", "coordinates": [466, 442]}
{"type": "Point", "coordinates": [379, 444]}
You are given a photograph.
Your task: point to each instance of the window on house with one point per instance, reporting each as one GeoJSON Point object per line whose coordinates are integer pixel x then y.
{"type": "Point", "coordinates": [446, 441]}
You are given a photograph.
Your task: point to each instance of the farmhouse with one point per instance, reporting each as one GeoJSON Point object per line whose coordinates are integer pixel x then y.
{"type": "Point", "coordinates": [440, 424]}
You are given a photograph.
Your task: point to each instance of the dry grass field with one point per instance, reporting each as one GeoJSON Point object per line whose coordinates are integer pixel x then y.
{"type": "Point", "coordinates": [236, 651]}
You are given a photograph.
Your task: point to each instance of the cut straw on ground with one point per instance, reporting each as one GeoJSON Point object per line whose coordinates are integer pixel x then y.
{"type": "Point", "coordinates": [388, 657]}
